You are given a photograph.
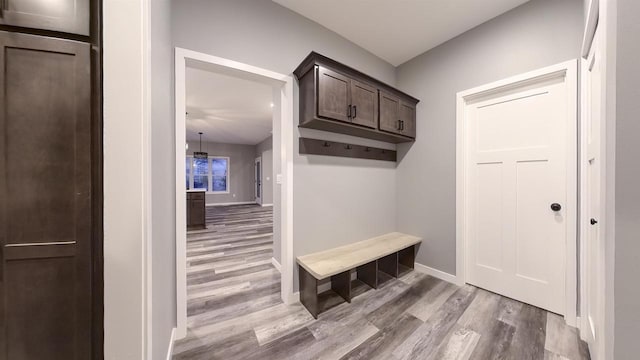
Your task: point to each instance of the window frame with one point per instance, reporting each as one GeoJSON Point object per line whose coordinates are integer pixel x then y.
{"type": "Point", "coordinates": [189, 159]}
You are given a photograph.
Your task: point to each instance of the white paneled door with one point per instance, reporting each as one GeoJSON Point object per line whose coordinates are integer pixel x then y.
{"type": "Point", "coordinates": [519, 138]}
{"type": "Point", "coordinates": [593, 251]}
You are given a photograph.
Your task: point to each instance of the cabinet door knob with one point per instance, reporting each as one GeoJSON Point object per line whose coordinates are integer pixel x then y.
{"type": "Point", "coordinates": [556, 207]}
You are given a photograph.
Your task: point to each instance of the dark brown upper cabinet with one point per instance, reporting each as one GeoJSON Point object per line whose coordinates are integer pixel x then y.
{"type": "Point", "coordinates": [345, 99]}
{"type": "Point", "coordinates": [364, 101]}
{"type": "Point", "coordinates": [408, 119]}
{"type": "Point", "coordinates": [70, 16]}
{"type": "Point", "coordinates": [389, 113]}
{"type": "Point", "coordinates": [337, 98]}
{"type": "Point", "coordinates": [396, 115]}
{"type": "Point", "coordinates": [333, 95]}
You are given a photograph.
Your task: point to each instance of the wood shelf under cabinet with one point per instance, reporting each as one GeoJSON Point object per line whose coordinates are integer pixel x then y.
{"type": "Point", "coordinates": [340, 99]}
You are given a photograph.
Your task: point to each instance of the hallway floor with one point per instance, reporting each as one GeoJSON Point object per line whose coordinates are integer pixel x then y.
{"type": "Point", "coordinates": [235, 311]}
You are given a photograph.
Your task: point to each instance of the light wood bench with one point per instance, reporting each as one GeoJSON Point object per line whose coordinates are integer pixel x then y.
{"type": "Point", "coordinates": [390, 254]}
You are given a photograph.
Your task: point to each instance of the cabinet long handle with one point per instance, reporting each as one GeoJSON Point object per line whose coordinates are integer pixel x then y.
{"type": "Point", "coordinates": [1, 9]}
{"type": "Point", "coordinates": [399, 125]}
{"type": "Point", "coordinates": [355, 111]}
{"type": "Point", "coordinates": [349, 112]}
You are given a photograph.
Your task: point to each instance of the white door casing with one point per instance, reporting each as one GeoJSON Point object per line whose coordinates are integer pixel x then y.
{"type": "Point", "coordinates": [517, 155]}
{"type": "Point", "coordinates": [283, 126]}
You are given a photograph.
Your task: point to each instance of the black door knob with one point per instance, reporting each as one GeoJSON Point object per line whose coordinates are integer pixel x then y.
{"type": "Point", "coordinates": [556, 207]}
{"type": "Point", "coordinates": [593, 221]}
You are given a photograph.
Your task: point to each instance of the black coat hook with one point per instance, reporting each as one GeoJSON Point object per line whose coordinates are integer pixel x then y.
{"type": "Point", "coordinates": [326, 144]}
{"type": "Point", "coordinates": [348, 147]}
{"type": "Point", "coordinates": [367, 149]}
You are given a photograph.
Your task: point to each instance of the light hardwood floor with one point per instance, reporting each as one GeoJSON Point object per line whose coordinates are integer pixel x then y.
{"type": "Point", "coordinates": [235, 311]}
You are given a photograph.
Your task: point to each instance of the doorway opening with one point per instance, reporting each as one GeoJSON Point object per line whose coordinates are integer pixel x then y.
{"type": "Point", "coordinates": [224, 183]}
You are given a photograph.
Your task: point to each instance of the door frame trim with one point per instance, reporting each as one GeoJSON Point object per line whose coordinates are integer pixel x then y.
{"type": "Point", "coordinates": [255, 177]}
{"type": "Point", "coordinates": [283, 123]}
{"type": "Point", "coordinates": [567, 69]}
{"type": "Point", "coordinates": [593, 14]}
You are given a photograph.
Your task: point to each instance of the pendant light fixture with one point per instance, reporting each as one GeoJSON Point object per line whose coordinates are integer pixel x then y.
{"type": "Point", "coordinates": [200, 154]}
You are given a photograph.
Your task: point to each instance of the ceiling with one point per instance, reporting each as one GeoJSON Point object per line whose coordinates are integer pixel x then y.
{"type": "Point", "coordinates": [227, 109]}
{"type": "Point", "coordinates": [399, 30]}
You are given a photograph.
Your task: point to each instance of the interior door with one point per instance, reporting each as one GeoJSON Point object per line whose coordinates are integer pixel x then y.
{"type": "Point", "coordinates": [364, 99]}
{"type": "Point", "coordinates": [258, 181]}
{"type": "Point", "coordinates": [333, 95]}
{"type": "Point", "coordinates": [70, 16]}
{"type": "Point", "coordinates": [594, 246]}
{"type": "Point", "coordinates": [389, 113]}
{"type": "Point", "coordinates": [45, 198]}
{"type": "Point", "coordinates": [517, 192]}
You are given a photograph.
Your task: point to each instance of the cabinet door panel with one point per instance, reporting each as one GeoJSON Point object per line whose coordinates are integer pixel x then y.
{"type": "Point", "coordinates": [333, 95]}
{"type": "Point", "coordinates": [364, 99]}
{"type": "Point", "coordinates": [189, 217]}
{"type": "Point", "coordinates": [197, 212]}
{"type": "Point", "coordinates": [71, 16]}
{"type": "Point", "coordinates": [45, 198]}
{"type": "Point", "coordinates": [389, 113]}
{"type": "Point", "coordinates": [408, 117]}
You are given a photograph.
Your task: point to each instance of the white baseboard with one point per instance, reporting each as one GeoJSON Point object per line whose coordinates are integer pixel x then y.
{"type": "Point", "coordinates": [276, 264]}
{"type": "Point", "coordinates": [171, 340]}
{"type": "Point", "coordinates": [437, 273]}
{"type": "Point", "coordinates": [263, 205]}
{"type": "Point", "coordinates": [232, 203]}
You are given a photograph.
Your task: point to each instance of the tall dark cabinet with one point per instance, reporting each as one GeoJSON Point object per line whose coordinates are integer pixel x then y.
{"type": "Point", "coordinates": [50, 180]}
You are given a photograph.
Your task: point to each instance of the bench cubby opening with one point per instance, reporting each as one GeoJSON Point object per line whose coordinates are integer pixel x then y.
{"type": "Point", "coordinates": [371, 274]}
{"type": "Point", "coordinates": [406, 260]}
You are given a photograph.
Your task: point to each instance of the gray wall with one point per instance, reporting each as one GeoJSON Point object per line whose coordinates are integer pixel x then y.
{"type": "Point", "coordinates": [264, 34]}
{"type": "Point", "coordinates": [163, 184]}
{"type": "Point", "coordinates": [627, 215]}
{"type": "Point", "coordinates": [264, 150]}
{"type": "Point", "coordinates": [336, 201]}
{"type": "Point", "coordinates": [534, 35]}
{"type": "Point", "coordinates": [264, 145]}
{"type": "Point", "coordinates": [340, 200]}
{"type": "Point", "coordinates": [241, 172]}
